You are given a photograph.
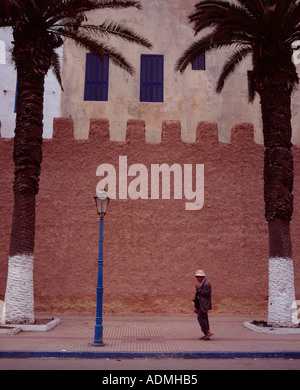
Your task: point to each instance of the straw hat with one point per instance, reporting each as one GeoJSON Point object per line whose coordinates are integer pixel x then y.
{"type": "Point", "coordinates": [200, 273]}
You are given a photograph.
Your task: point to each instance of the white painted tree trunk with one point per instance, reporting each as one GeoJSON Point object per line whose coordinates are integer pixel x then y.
{"type": "Point", "coordinates": [19, 297]}
{"type": "Point", "coordinates": [281, 292]}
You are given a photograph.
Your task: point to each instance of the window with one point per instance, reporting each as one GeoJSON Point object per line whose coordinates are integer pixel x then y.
{"type": "Point", "coordinates": [96, 78]}
{"type": "Point", "coordinates": [199, 63]}
{"type": "Point", "coordinates": [152, 78]}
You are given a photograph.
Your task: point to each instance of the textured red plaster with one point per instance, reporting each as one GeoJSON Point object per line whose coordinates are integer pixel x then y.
{"type": "Point", "coordinates": [151, 247]}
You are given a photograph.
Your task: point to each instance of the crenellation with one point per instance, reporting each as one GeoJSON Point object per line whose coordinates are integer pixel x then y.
{"type": "Point", "coordinates": [171, 132]}
{"type": "Point", "coordinates": [207, 133]}
{"type": "Point", "coordinates": [136, 131]}
{"type": "Point", "coordinates": [63, 128]}
{"type": "Point", "coordinates": [99, 129]}
{"type": "Point", "coordinates": [242, 133]}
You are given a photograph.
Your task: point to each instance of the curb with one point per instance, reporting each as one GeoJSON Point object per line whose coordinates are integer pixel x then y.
{"type": "Point", "coordinates": [14, 329]}
{"type": "Point", "coordinates": [41, 328]}
{"type": "Point", "coordinates": [10, 329]}
{"type": "Point", "coordinates": [153, 355]}
{"type": "Point", "coordinates": [271, 330]}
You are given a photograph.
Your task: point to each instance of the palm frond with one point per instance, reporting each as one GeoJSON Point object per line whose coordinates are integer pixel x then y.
{"type": "Point", "coordinates": [216, 3]}
{"type": "Point", "coordinates": [9, 9]}
{"type": "Point", "coordinates": [265, 29]}
{"type": "Point", "coordinates": [66, 18]}
{"type": "Point", "coordinates": [56, 68]}
{"type": "Point", "coordinates": [63, 10]}
{"type": "Point", "coordinates": [211, 14]}
{"type": "Point", "coordinates": [233, 26]}
{"type": "Point", "coordinates": [210, 17]}
{"type": "Point", "coordinates": [196, 49]}
{"type": "Point", "coordinates": [231, 64]}
{"type": "Point", "coordinates": [117, 4]}
{"type": "Point", "coordinates": [291, 21]}
{"type": "Point", "coordinates": [112, 28]}
{"type": "Point", "coordinates": [88, 5]}
{"type": "Point", "coordinates": [254, 7]}
{"type": "Point", "coordinates": [293, 37]}
{"type": "Point", "coordinates": [223, 5]}
{"type": "Point", "coordinates": [98, 48]}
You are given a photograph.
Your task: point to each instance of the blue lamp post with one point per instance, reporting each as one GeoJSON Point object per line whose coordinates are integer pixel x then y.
{"type": "Point", "coordinates": [102, 201]}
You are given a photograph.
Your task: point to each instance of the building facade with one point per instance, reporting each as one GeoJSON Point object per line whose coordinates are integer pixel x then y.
{"type": "Point", "coordinates": [188, 97]}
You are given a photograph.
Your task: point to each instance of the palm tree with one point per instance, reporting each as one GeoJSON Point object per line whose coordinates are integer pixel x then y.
{"type": "Point", "coordinates": [39, 27]}
{"type": "Point", "coordinates": [266, 31]}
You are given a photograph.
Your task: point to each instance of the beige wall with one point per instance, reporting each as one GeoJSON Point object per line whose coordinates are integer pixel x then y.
{"type": "Point", "coordinates": [189, 98]}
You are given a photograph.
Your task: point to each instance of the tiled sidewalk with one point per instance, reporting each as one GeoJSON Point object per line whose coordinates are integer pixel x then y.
{"type": "Point", "coordinates": [156, 336]}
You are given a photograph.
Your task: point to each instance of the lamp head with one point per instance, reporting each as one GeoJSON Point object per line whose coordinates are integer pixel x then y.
{"type": "Point", "coordinates": [102, 201]}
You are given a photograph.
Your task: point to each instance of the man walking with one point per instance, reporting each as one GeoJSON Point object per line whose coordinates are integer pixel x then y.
{"type": "Point", "coordinates": [203, 303]}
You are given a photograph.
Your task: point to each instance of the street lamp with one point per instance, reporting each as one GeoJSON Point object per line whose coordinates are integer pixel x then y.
{"type": "Point", "coordinates": [102, 201]}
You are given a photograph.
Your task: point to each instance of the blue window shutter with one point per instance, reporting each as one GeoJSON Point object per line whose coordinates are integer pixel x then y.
{"type": "Point", "coordinates": [152, 78]}
{"type": "Point", "coordinates": [96, 78]}
{"type": "Point", "coordinates": [199, 63]}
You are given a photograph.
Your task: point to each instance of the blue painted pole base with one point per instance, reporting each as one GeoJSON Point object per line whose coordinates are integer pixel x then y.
{"type": "Point", "coordinates": [98, 338]}
{"type": "Point", "coordinates": [97, 344]}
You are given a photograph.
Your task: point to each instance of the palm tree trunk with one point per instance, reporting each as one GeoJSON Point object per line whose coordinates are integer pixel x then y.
{"type": "Point", "coordinates": [19, 296]}
{"type": "Point", "coordinates": [278, 186]}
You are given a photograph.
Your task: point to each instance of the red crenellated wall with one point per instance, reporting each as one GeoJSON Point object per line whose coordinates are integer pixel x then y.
{"type": "Point", "coordinates": [152, 248]}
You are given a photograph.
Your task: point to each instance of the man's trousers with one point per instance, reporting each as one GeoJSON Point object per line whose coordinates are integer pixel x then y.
{"type": "Point", "coordinates": [203, 321]}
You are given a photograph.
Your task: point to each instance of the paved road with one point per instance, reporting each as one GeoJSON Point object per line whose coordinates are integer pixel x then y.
{"type": "Point", "coordinates": [149, 364]}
